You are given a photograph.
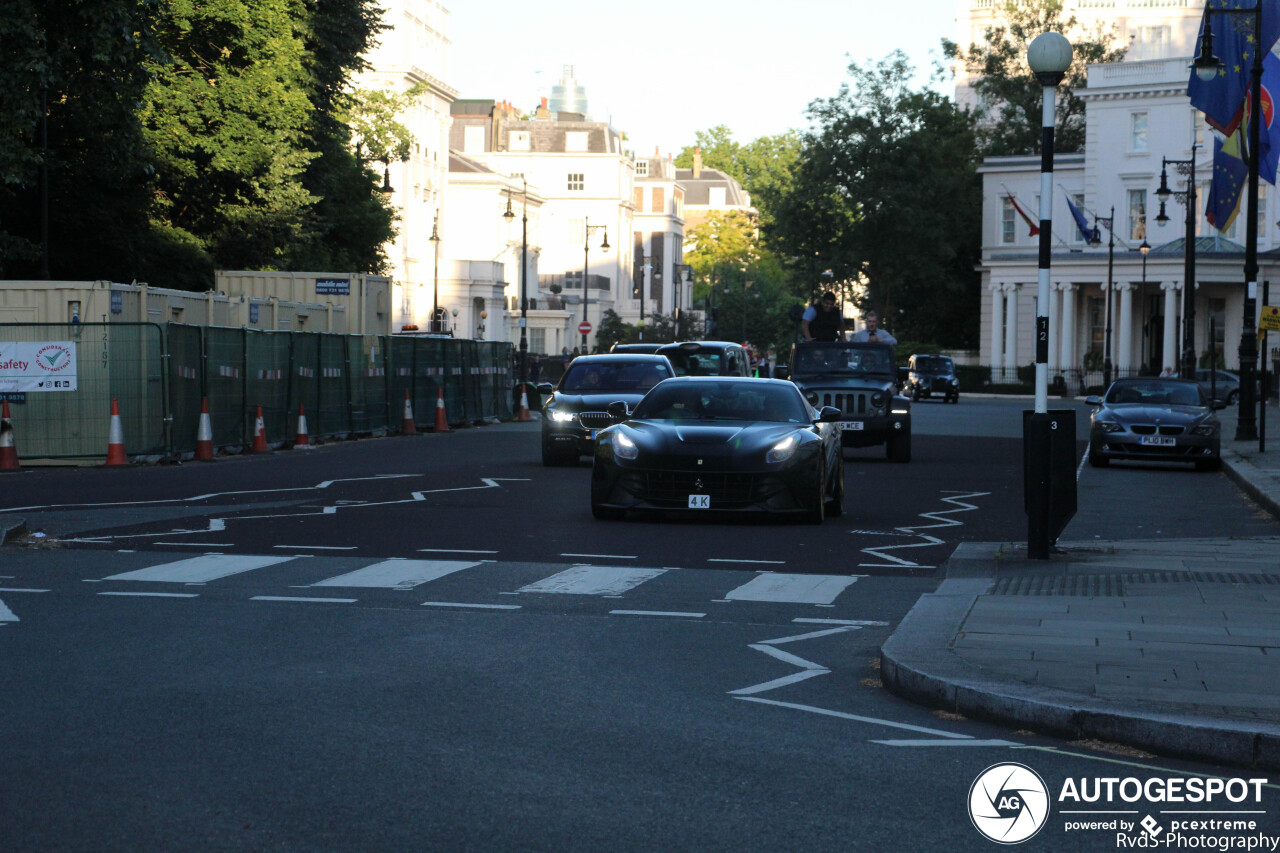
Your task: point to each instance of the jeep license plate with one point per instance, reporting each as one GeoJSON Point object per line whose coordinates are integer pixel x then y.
{"type": "Point", "coordinates": [854, 425]}
{"type": "Point", "coordinates": [1156, 440]}
{"type": "Point", "coordinates": [699, 501]}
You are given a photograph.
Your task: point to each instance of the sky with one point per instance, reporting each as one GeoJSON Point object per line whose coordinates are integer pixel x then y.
{"type": "Point", "coordinates": [662, 70]}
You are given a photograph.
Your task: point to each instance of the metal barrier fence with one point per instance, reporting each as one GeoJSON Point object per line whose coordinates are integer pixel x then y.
{"type": "Point", "coordinates": [345, 384]}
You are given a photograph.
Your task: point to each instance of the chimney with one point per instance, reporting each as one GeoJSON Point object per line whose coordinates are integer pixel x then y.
{"type": "Point", "coordinates": [697, 162]}
{"type": "Point", "coordinates": [542, 111]}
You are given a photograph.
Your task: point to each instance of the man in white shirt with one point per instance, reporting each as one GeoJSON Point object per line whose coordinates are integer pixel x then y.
{"type": "Point", "coordinates": [873, 333]}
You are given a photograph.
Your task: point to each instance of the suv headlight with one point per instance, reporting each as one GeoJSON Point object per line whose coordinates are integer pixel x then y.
{"type": "Point", "coordinates": [781, 451]}
{"type": "Point", "coordinates": [624, 447]}
{"type": "Point", "coordinates": [879, 398]}
{"type": "Point", "coordinates": [562, 417]}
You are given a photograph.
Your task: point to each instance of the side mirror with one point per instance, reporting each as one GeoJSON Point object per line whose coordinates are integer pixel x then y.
{"type": "Point", "coordinates": [545, 388]}
{"type": "Point", "coordinates": [618, 410]}
{"type": "Point", "coordinates": [828, 414]}
{"type": "Point", "coordinates": [782, 371]}
{"type": "Point", "coordinates": [1093, 400]}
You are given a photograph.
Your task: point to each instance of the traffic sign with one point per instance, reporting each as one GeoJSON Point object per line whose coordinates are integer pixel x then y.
{"type": "Point", "coordinates": [584, 328]}
{"type": "Point", "coordinates": [1269, 319]}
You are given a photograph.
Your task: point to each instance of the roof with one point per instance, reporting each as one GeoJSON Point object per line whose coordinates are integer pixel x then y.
{"type": "Point", "coordinates": [697, 191]}
{"type": "Point", "coordinates": [1214, 244]}
{"type": "Point", "coordinates": [459, 162]}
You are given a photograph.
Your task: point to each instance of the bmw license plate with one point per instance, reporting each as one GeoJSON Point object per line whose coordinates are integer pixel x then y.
{"type": "Point", "coordinates": [854, 425]}
{"type": "Point", "coordinates": [1156, 440]}
{"type": "Point", "coordinates": [699, 501]}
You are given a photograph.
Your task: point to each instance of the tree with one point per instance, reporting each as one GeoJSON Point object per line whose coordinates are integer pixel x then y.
{"type": "Point", "coordinates": [887, 199]}
{"type": "Point", "coordinates": [762, 166]}
{"type": "Point", "coordinates": [1011, 95]}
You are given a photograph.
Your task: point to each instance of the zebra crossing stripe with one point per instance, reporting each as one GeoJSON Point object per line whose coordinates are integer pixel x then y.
{"type": "Point", "coordinates": [792, 589]}
{"type": "Point", "coordinates": [200, 569]}
{"type": "Point", "coordinates": [398, 574]}
{"type": "Point", "coordinates": [6, 615]}
{"type": "Point", "coordinates": [594, 580]}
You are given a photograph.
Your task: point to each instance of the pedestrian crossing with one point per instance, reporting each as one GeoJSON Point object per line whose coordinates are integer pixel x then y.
{"type": "Point", "coordinates": [582, 580]}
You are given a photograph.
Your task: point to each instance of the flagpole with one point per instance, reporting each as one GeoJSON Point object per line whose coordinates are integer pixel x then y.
{"type": "Point", "coordinates": [1246, 422]}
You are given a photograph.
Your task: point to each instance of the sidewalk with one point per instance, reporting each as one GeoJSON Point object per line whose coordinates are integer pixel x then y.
{"type": "Point", "coordinates": [1171, 646]}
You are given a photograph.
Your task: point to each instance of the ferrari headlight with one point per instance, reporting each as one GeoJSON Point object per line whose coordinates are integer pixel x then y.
{"type": "Point", "coordinates": [624, 447]}
{"type": "Point", "coordinates": [1205, 429]}
{"type": "Point", "coordinates": [781, 451]}
{"type": "Point", "coordinates": [562, 417]}
{"type": "Point", "coordinates": [1109, 426]}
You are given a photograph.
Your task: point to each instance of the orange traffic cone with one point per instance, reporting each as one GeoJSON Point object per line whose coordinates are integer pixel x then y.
{"type": "Point", "coordinates": [115, 438]}
{"type": "Point", "coordinates": [523, 413]}
{"type": "Point", "coordinates": [204, 434]}
{"type": "Point", "coordinates": [259, 434]}
{"type": "Point", "coordinates": [303, 441]}
{"type": "Point", "coordinates": [408, 427]}
{"type": "Point", "coordinates": [442, 417]}
{"type": "Point", "coordinates": [8, 452]}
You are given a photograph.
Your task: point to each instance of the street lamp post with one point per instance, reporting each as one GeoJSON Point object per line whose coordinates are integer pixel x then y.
{"type": "Point", "coordinates": [1096, 240]}
{"type": "Point", "coordinates": [1207, 67]}
{"type": "Point", "coordinates": [1049, 56]}
{"type": "Point", "coordinates": [435, 281]}
{"type": "Point", "coordinates": [1186, 168]}
{"type": "Point", "coordinates": [645, 270]}
{"type": "Point", "coordinates": [587, 228]}
{"type": "Point", "coordinates": [524, 275]}
{"type": "Point", "coordinates": [1145, 248]}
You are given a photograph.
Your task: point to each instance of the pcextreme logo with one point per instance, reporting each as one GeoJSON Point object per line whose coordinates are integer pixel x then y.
{"type": "Point", "coordinates": [1008, 803]}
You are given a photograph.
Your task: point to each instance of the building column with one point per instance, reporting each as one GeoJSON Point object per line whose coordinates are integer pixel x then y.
{"type": "Point", "coordinates": [997, 327]}
{"type": "Point", "coordinates": [1011, 328]}
{"type": "Point", "coordinates": [1169, 351]}
{"type": "Point", "coordinates": [1067, 359]}
{"type": "Point", "coordinates": [1054, 314]}
{"type": "Point", "coordinates": [1124, 354]}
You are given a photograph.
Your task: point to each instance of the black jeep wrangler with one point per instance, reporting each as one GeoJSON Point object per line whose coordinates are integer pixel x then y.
{"type": "Point", "coordinates": [932, 376]}
{"type": "Point", "coordinates": [861, 381]}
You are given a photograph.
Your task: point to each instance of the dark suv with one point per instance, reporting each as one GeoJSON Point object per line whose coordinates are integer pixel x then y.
{"type": "Point", "coordinates": [861, 381]}
{"type": "Point", "coordinates": [707, 358]}
{"type": "Point", "coordinates": [932, 376]}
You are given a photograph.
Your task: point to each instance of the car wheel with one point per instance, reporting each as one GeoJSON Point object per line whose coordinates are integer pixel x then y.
{"type": "Point", "coordinates": [955, 399]}
{"type": "Point", "coordinates": [898, 448]}
{"type": "Point", "coordinates": [1208, 464]}
{"type": "Point", "coordinates": [1233, 397]}
{"type": "Point", "coordinates": [915, 394]}
{"type": "Point", "coordinates": [817, 514]}
{"type": "Point", "coordinates": [1097, 460]}
{"type": "Point", "coordinates": [606, 513]}
{"type": "Point", "coordinates": [835, 507]}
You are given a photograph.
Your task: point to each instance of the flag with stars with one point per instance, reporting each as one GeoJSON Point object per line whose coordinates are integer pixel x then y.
{"type": "Point", "coordinates": [1229, 175]}
{"type": "Point", "coordinates": [1234, 43]}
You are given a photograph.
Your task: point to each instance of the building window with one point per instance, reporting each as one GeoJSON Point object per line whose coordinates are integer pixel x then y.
{"type": "Point", "coordinates": [1007, 223]}
{"type": "Point", "coordinates": [575, 140]}
{"type": "Point", "coordinates": [639, 199]}
{"type": "Point", "coordinates": [1198, 127]}
{"type": "Point", "coordinates": [642, 168]}
{"type": "Point", "coordinates": [717, 197]}
{"type": "Point", "coordinates": [1151, 43]}
{"type": "Point", "coordinates": [1138, 133]}
{"type": "Point", "coordinates": [1138, 215]}
{"type": "Point", "coordinates": [577, 181]}
{"type": "Point", "coordinates": [537, 340]}
{"type": "Point", "coordinates": [1097, 323]}
{"type": "Point", "coordinates": [519, 140]}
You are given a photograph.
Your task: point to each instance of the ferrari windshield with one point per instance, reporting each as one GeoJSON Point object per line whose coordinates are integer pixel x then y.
{"type": "Point", "coordinates": [591, 377]}
{"type": "Point", "coordinates": [1155, 393]}
{"type": "Point", "coordinates": [843, 361]}
{"type": "Point", "coordinates": [749, 400]}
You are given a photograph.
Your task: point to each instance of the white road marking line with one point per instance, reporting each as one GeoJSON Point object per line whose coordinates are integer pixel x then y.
{"type": "Point", "coordinates": [14, 589]}
{"type": "Point", "coordinates": [7, 615]}
{"type": "Point", "coordinates": [197, 569]}
{"type": "Point", "coordinates": [922, 742]}
{"type": "Point", "coordinates": [842, 629]}
{"type": "Point", "coordinates": [317, 547]}
{"type": "Point", "coordinates": [793, 589]}
{"type": "Point", "coordinates": [471, 606]}
{"type": "Point", "coordinates": [154, 594]}
{"type": "Point", "coordinates": [901, 563]}
{"type": "Point", "coordinates": [826, 712]}
{"type": "Point", "coordinates": [755, 562]}
{"type": "Point", "coordinates": [956, 499]}
{"type": "Point", "coordinates": [860, 622]}
{"type": "Point", "coordinates": [786, 657]}
{"type": "Point", "coordinates": [304, 598]}
{"type": "Point", "coordinates": [604, 556]}
{"type": "Point", "coordinates": [655, 613]}
{"type": "Point", "coordinates": [779, 682]}
{"type": "Point", "coordinates": [451, 551]}
{"type": "Point", "coordinates": [195, 545]}
{"type": "Point", "coordinates": [398, 574]}
{"type": "Point", "coordinates": [593, 580]}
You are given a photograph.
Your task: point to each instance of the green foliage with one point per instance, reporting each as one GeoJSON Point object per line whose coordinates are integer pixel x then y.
{"type": "Point", "coordinates": [763, 166]}
{"type": "Point", "coordinates": [886, 197]}
{"type": "Point", "coordinates": [658, 328]}
{"type": "Point", "coordinates": [1012, 95]}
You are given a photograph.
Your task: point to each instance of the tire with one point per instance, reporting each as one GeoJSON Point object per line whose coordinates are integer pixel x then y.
{"type": "Point", "coordinates": [835, 506]}
{"type": "Point", "coordinates": [898, 448]}
{"type": "Point", "coordinates": [550, 457]}
{"type": "Point", "coordinates": [955, 399]}
{"type": "Point", "coordinates": [606, 513]}
{"type": "Point", "coordinates": [818, 513]}
{"type": "Point", "coordinates": [1097, 460]}
{"type": "Point", "coordinates": [915, 394]}
{"type": "Point", "coordinates": [1233, 397]}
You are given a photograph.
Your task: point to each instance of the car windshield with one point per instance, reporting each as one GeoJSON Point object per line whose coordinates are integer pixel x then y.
{"type": "Point", "coordinates": [843, 360]}
{"type": "Point", "coordinates": [634, 377]}
{"type": "Point", "coordinates": [1154, 394]}
{"type": "Point", "coordinates": [723, 401]}
{"type": "Point", "coordinates": [934, 364]}
{"type": "Point", "coordinates": [695, 363]}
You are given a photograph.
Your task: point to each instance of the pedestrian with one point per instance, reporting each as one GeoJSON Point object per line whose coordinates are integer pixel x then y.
{"type": "Point", "coordinates": [535, 369]}
{"type": "Point", "coordinates": [574, 354]}
{"type": "Point", "coordinates": [873, 333]}
{"type": "Point", "coordinates": [823, 321]}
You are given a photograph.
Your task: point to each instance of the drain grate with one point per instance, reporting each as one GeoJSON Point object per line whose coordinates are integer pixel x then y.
{"type": "Point", "coordinates": [1104, 585]}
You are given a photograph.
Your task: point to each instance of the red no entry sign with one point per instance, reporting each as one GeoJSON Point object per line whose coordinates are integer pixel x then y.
{"type": "Point", "coordinates": [584, 328]}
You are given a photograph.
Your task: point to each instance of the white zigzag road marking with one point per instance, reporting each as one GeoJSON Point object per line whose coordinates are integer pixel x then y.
{"type": "Point", "coordinates": [956, 499]}
{"type": "Point", "coordinates": [808, 669]}
{"type": "Point", "coordinates": [220, 524]}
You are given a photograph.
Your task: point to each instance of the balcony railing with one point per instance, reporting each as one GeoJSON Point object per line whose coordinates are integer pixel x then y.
{"type": "Point", "coordinates": [573, 281]}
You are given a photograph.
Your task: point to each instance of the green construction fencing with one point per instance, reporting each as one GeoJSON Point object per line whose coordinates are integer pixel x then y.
{"type": "Point", "coordinates": [346, 385]}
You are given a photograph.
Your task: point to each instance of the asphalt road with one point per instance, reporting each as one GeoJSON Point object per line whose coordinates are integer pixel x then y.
{"type": "Point", "coordinates": [427, 643]}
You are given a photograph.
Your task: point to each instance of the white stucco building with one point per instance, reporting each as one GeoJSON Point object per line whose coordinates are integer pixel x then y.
{"type": "Point", "coordinates": [1137, 114]}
